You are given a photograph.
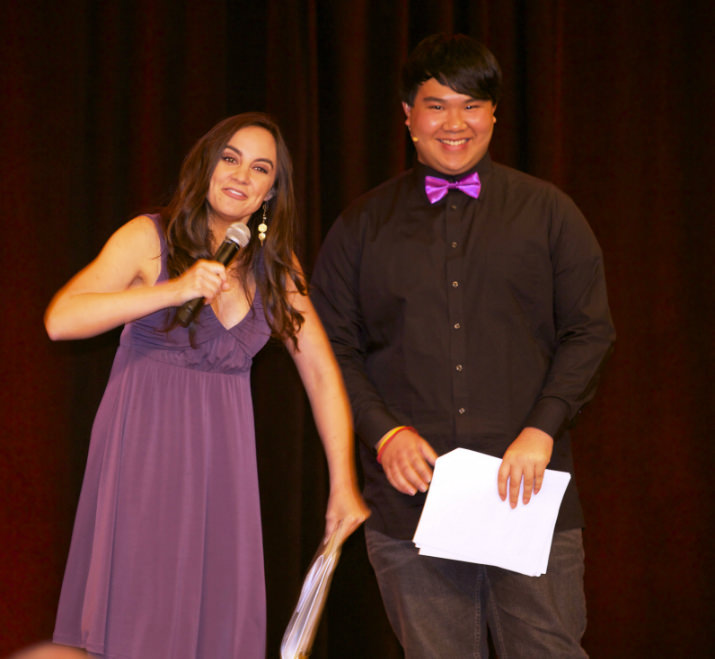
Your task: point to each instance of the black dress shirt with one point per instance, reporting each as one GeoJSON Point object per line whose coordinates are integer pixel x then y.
{"type": "Point", "coordinates": [468, 319]}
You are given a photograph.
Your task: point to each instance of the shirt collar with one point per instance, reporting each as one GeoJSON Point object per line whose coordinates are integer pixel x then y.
{"type": "Point", "coordinates": [482, 168]}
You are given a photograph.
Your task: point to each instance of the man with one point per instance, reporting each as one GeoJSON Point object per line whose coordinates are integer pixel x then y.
{"type": "Point", "coordinates": [466, 304]}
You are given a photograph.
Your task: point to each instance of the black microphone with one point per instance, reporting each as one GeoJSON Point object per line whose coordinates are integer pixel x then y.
{"type": "Point", "coordinates": [237, 235]}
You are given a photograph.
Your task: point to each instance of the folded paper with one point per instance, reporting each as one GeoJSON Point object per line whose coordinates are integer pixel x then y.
{"type": "Point", "coordinates": [464, 519]}
{"type": "Point", "coordinates": [300, 633]}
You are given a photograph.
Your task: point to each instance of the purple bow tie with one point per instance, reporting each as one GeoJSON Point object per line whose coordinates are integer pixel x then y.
{"type": "Point", "coordinates": [436, 188]}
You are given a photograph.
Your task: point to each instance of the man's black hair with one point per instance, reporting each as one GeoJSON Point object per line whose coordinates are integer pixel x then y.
{"type": "Point", "coordinates": [457, 61]}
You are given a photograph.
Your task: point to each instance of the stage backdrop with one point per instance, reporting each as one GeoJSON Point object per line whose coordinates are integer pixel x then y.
{"type": "Point", "coordinates": [610, 100]}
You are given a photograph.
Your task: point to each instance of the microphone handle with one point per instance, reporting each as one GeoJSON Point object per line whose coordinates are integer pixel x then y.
{"type": "Point", "coordinates": [188, 311]}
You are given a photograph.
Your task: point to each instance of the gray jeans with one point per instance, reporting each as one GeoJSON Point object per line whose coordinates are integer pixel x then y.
{"type": "Point", "coordinates": [440, 609]}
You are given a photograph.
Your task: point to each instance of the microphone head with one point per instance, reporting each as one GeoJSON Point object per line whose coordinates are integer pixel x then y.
{"type": "Point", "coordinates": [238, 233]}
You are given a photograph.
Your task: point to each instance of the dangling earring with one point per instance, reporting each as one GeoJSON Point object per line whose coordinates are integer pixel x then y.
{"type": "Point", "coordinates": [263, 227]}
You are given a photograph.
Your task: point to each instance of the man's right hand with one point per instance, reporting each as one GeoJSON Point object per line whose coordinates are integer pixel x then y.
{"type": "Point", "coordinates": [408, 460]}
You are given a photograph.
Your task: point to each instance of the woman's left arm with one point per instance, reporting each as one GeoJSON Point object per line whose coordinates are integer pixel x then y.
{"type": "Point", "coordinates": [323, 383]}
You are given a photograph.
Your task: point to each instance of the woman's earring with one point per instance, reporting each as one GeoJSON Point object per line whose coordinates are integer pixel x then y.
{"type": "Point", "coordinates": [263, 227]}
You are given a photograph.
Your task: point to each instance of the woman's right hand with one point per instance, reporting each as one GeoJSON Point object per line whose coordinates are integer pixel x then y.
{"type": "Point", "coordinates": [204, 279]}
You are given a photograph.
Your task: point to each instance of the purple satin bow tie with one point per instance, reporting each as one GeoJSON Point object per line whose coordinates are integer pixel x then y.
{"type": "Point", "coordinates": [436, 188]}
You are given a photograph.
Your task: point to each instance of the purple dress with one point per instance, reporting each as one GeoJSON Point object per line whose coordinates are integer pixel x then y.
{"type": "Point", "coordinates": [166, 558]}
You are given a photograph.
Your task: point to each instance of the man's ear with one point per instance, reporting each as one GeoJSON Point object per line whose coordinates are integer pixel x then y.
{"type": "Point", "coordinates": [408, 110]}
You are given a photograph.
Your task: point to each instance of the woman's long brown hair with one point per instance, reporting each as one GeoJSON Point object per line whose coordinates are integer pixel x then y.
{"type": "Point", "coordinates": [185, 221]}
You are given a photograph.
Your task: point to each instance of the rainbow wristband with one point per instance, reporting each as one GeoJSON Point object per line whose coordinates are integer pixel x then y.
{"type": "Point", "coordinates": [388, 438]}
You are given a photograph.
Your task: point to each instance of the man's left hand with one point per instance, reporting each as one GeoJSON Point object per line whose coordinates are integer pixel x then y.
{"type": "Point", "coordinates": [526, 458]}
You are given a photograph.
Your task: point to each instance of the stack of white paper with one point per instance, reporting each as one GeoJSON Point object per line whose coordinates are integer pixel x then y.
{"type": "Point", "coordinates": [464, 519]}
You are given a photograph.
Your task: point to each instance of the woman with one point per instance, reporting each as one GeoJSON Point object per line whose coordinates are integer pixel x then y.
{"type": "Point", "coordinates": [166, 556]}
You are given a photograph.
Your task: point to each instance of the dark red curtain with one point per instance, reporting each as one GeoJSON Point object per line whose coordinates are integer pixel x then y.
{"type": "Point", "coordinates": [610, 100]}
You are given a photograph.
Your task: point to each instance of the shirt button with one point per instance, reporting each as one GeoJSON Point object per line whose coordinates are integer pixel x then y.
{"type": "Point", "coordinates": [454, 244]}
{"type": "Point", "coordinates": [458, 367]}
{"type": "Point", "coordinates": [461, 410]}
{"type": "Point", "coordinates": [453, 207]}
{"type": "Point", "coordinates": [455, 284]}
{"type": "Point", "coordinates": [457, 325]}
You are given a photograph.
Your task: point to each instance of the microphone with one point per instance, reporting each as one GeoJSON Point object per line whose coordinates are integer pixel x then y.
{"type": "Point", "coordinates": [237, 235]}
